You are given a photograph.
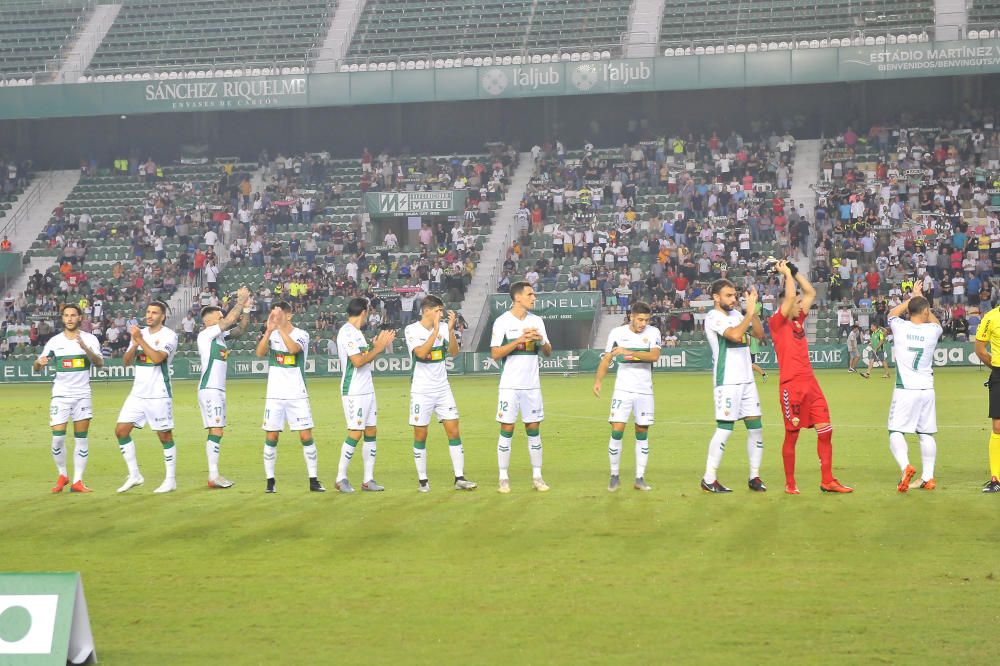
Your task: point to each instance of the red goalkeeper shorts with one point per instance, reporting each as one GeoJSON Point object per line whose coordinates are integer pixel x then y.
{"type": "Point", "coordinates": [803, 405]}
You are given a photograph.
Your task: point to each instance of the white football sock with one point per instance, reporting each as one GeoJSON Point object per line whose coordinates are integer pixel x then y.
{"type": "Point", "coordinates": [716, 447]}
{"type": "Point", "coordinates": [897, 444]}
{"type": "Point", "coordinates": [535, 453]}
{"type": "Point", "coordinates": [368, 452]}
{"type": "Point", "coordinates": [615, 452]}
{"type": "Point", "coordinates": [755, 450]}
{"type": "Point", "coordinates": [457, 456]}
{"type": "Point", "coordinates": [312, 458]}
{"type": "Point", "coordinates": [270, 458]}
{"type": "Point", "coordinates": [170, 460]}
{"type": "Point", "coordinates": [420, 459]}
{"type": "Point", "coordinates": [641, 456]}
{"type": "Point", "coordinates": [503, 453]}
{"type": "Point", "coordinates": [81, 451]}
{"type": "Point", "coordinates": [346, 453]}
{"type": "Point", "coordinates": [59, 452]}
{"type": "Point", "coordinates": [127, 447]}
{"type": "Point", "coordinates": [928, 454]}
{"type": "Point", "coordinates": [212, 453]}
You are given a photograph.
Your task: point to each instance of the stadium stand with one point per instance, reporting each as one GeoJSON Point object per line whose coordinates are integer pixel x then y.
{"type": "Point", "coordinates": [719, 27]}
{"type": "Point", "coordinates": [319, 258]}
{"type": "Point", "coordinates": [118, 241]}
{"type": "Point", "coordinates": [658, 220]}
{"type": "Point", "coordinates": [34, 33]}
{"type": "Point", "coordinates": [485, 32]}
{"type": "Point", "coordinates": [188, 36]}
{"type": "Point", "coordinates": [906, 202]}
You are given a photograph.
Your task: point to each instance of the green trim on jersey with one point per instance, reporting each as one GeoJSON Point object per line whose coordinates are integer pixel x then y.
{"type": "Point", "coordinates": [215, 352]}
{"type": "Point", "coordinates": [166, 379]}
{"type": "Point", "coordinates": [75, 362]}
{"type": "Point", "coordinates": [345, 383]}
{"type": "Point", "coordinates": [535, 347]}
{"type": "Point", "coordinates": [720, 362]}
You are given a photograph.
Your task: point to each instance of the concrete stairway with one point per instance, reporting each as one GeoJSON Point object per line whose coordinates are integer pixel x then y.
{"type": "Point", "coordinates": [78, 58]}
{"type": "Point", "coordinates": [338, 38]}
{"type": "Point", "coordinates": [484, 282]}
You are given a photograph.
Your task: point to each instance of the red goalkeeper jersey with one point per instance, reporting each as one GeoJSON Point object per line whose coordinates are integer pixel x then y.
{"type": "Point", "coordinates": [792, 348]}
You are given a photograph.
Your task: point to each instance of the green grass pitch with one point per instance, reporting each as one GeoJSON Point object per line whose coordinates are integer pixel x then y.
{"type": "Point", "coordinates": [577, 575]}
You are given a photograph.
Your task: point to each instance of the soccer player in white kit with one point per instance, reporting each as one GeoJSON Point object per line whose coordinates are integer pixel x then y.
{"type": "Point", "coordinates": [518, 337]}
{"type": "Point", "coordinates": [72, 353]}
{"type": "Point", "coordinates": [913, 408]}
{"type": "Point", "coordinates": [151, 398]}
{"type": "Point", "coordinates": [638, 346]}
{"type": "Point", "coordinates": [357, 393]}
{"type": "Point", "coordinates": [214, 354]}
{"type": "Point", "coordinates": [735, 392]}
{"type": "Point", "coordinates": [430, 341]}
{"type": "Point", "coordinates": [286, 401]}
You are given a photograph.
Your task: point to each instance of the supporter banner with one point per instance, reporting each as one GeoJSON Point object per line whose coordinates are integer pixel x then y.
{"type": "Point", "coordinates": [694, 72]}
{"type": "Point", "coordinates": [405, 204]}
{"type": "Point", "coordinates": [555, 305]}
{"type": "Point", "coordinates": [951, 354]}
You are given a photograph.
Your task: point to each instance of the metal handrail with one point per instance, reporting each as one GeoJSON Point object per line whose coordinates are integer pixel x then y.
{"type": "Point", "coordinates": [28, 204]}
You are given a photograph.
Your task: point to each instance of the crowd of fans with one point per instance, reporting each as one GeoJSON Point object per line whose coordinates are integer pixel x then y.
{"type": "Point", "coordinates": [592, 212]}
{"type": "Point", "coordinates": [908, 202]}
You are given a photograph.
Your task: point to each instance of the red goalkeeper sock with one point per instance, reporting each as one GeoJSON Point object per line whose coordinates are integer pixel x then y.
{"type": "Point", "coordinates": [788, 455]}
{"type": "Point", "coordinates": [824, 447]}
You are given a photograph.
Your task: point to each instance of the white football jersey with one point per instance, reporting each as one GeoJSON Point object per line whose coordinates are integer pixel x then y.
{"type": "Point", "coordinates": [286, 372]}
{"type": "Point", "coordinates": [913, 348]}
{"type": "Point", "coordinates": [632, 375]}
{"type": "Point", "coordinates": [732, 359]}
{"type": "Point", "coordinates": [70, 363]}
{"type": "Point", "coordinates": [214, 354]}
{"type": "Point", "coordinates": [152, 380]}
{"type": "Point", "coordinates": [429, 375]}
{"type": "Point", "coordinates": [353, 381]}
{"type": "Point", "coordinates": [520, 367]}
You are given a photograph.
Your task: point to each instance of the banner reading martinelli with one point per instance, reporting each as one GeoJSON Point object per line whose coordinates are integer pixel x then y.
{"type": "Point", "coordinates": [406, 204]}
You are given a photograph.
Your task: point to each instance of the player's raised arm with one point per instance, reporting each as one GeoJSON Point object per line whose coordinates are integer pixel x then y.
{"type": "Point", "coordinates": [379, 344]}
{"type": "Point", "coordinates": [452, 337]}
{"type": "Point", "coordinates": [808, 291]}
{"type": "Point", "coordinates": [94, 357]}
{"type": "Point", "coordinates": [423, 351]}
{"type": "Point", "coordinates": [503, 351]}
{"type": "Point", "coordinates": [238, 312]}
{"type": "Point", "coordinates": [263, 344]}
{"type": "Point", "coordinates": [737, 333]}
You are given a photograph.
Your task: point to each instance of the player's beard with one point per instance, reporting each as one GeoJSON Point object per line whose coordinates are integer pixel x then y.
{"type": "Point", "coordinates": [727, 308]}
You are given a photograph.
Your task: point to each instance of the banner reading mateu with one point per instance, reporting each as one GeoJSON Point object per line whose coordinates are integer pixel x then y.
{"type": "Point", "coordinates": [556, 305]}
{"type": "Point", "coordinates": [407, 204]}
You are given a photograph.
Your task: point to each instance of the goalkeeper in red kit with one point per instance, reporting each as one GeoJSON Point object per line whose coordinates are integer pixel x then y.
{"type": "Point", "coordinates": [803, 404]}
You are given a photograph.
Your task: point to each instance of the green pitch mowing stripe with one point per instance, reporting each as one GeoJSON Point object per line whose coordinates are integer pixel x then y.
{"type": "Point", "coordinates": [576, 575]}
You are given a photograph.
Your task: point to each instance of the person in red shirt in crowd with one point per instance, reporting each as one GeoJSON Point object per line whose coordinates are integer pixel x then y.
{"type": "Point", "coordinates": [803, 404]}
{"type": "Point", "coordinates": [872, 279]}
{"type": "Point", "coordinates": [5, 245]}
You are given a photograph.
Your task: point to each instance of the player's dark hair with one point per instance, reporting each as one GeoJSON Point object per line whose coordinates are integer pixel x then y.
{"type": "Point", "coordinates": [721, 284]}
{"type": "Point", "coordinates": [916, 305]}
{"type": "Point", "coordinates": [159, 304]}
{"type": "Point", "coordinates": [639, 307]}
{"type": "Point", "coordinates": [209, 309]}
{"type": "Point", "coordinates": [517, 288]}
{"type": "Point", "coordinates": [431, 302]}
{"type": "Point", "coordinates": [71, 305]}
{"type": "Point", "coordinates": [356, 306]}
{"type": "Point", "coordinates": [284, 306]}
